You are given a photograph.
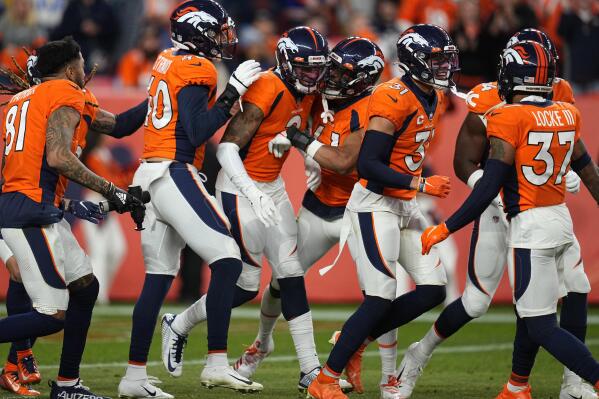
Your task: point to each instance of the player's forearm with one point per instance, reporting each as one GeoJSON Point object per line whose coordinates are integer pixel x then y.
{"type": "Point", "coordinates": [373, 167]}
{"type": "Point", "coordinates": [68, 165]}
{"type": "Point", "coordinates": [120, 125]}
{"type": "Point", "coordinates": [228, 157]}
{"type": "Point", "coordinates": [336, 159]}
{"type": "Point", "coordinates": [464, 168]}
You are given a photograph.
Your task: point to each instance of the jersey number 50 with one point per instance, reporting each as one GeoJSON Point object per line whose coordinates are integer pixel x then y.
{"type": "Point", "coordinates": [544, 139]}
{"type": "Point", "coordinates": [160, 110]}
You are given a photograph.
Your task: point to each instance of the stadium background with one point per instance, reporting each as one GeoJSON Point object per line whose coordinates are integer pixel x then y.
{"type": "Point", "coordinates": [122, 37]}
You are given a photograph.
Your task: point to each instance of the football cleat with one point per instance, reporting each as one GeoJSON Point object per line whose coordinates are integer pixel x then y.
{"type": "Point", "coordinates": [507, 394]}
{"type": "Point", "coordinates": [307, 378]}
{"type": "Point", "coordinates": [390, 389]}
{"type": "Point", "coordinates": [353, 369]}
{"type": "Point", "coordinates": [76, 391]}
{"type": "Point", "coordinates": [141, 389]}
{"type": "Point", "coordinates": [318, 390]}
{"type": "Point", "coordinates": [410, 369]}
{"type": "Point", "coordinates": [251, 358]}
{"type": "Point", "coordinates": [577, 391]}
{"type": "Point", "coordinates": [28, 370]}
{"type": "Point", "coordinates": [173, 345]}
{"type": "Point", "coordinates": [226, 377]}
{"type": "Point", "coordinates": [9, 381]}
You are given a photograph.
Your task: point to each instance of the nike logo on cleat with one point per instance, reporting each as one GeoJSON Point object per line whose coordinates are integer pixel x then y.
{"type": "Point", "coordinates": [149, 393]}
{"type": "Point", "coordinates": [248, 382]}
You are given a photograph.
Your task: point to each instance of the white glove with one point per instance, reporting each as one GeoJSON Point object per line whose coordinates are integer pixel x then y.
{"type": "Point", "coordinates": [279, 145]}
{"type": "Point", "coordinates": [263, 206]}
{"type": "Point", "coordinates": [312, 173]}
{"type": "Point", "coordinates": [572, 182]}
{"type": "Point", "coordinates": [246, 73]}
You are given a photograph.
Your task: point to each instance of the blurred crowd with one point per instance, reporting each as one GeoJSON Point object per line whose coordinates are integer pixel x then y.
{"type": "Point", "coordinates": [123, 37]}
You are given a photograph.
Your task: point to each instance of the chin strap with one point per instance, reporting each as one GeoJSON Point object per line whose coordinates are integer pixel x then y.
{"type": "Point", "coordinates": [326, 113]}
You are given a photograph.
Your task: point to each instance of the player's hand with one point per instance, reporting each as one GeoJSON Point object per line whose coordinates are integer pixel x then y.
{"type": "Point", "coordinates": [437, 186]}
{"type": "Point", "coordinates": [279, 145]}
{"type": "Point", "coordinates": [572, 182]}
{"type": "Point", "coordinates": [264, 207]}
{"type": "Point", "coordinates": [246, 73]}
{"type": "Point", "coordinates": [433, 235]}
{"type": "Point", "coordinates": [312, 173]}
{"type": "Point", "coordinates": [121, 201]}
{"type": "Point", "coordinates": [86, 210]}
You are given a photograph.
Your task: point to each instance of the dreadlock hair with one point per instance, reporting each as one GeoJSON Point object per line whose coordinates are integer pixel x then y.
{"type": "Point", "coordinates": [54, 56]}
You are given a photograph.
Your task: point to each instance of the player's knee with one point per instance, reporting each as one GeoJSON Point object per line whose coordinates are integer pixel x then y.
{"type": "Point", "coordinates": [540, 328]}
{"type": "Point", "coordinates": [242, 296]}
{"type": "Point", "coordinates": [294, 301]}
{"type": "Point", "coordinates": [274, 288]}
{"type": "Point", "coordinates": [59, 316]}
{"type": "Point", "coordinates": [476, 303]}
{"type": "Point", "coordinates": [84, 292]}
{"type": "Point", "coordinates": [227, 269]}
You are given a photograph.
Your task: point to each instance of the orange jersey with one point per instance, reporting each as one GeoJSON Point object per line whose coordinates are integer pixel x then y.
{"type": "Point", "coordinates": [281, 109]}
{"type": "Point", "coordinates": [163, 136]}
{"type": "Point", "coordinates": [25, 120]}
{"type": "Point", "coordinates": [350, 117]}
{"type": "Point", "coordinates": [485, 96]}
{"type": "Point", "coordinates": [543, 135]}
{"type": "Point", "coordinates": [400, 102]}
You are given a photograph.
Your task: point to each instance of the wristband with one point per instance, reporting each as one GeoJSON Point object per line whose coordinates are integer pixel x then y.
{"type": "Point", "coordinates": [313, 148]}
{"type": "Point", "coordinates": [475, 177]}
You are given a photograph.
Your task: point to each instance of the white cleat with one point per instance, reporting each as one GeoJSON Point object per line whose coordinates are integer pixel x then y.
{"type": "Point", "coordinates": [390, 388]}
{"type": "Point", "coordinates": [579, 390]}
{"type": "Point", "coordinates": [251, 358]}
{"type": "Point", "coordinates": [410, 369]}
{"type": "Point", "coordinates": [226, 377]}
{"type": "Point", "coordinates": [173, 345]}
{"type": "Point", "coordinates": [141, 389]}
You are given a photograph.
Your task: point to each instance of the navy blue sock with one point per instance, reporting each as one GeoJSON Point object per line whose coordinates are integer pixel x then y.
{"type": "Point", "coordinates": [17, 302]}
{"type": "Point", "coordinates": [409, 306]}
{"type": "Point", "coordinates": [219, 301]}
{"type": "Point", "coordinates": [32, 324]}
{"type": "Point", "coordinates": [145, 314]}
{"type": "Point", "coordinates": [356, 329]}
{"type": "Point", "coordinates": [525, 351]}
{"type": "Point", "coordinates": [76, 325]}
{"type": "Point", "coordinates": [452, 318]}
{"type": "Point", "coordinates": [243, 296]}
{"type": "Point", "coordinates": [573, 316]}
{"type": "Point", "coordinates": [294, 300]}
{"type": "Point", "coordinates": [564, 346]}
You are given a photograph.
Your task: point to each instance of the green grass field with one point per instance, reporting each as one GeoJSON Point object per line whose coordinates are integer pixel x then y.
{"type": "Point", "coordinates": [473, 364]}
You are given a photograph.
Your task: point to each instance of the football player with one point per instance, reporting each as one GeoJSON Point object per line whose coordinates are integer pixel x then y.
{"type": "Point", "coordinates": [42, 140]}
{"type": "Point", "coordinates": [184, 112]}
{"type": "Point", "coordinates": [489, 252]}
{"type": "Point", "coordinates": [355, 66]}
{"type": "Point", "coordinates": [253, 196]}
{"type": "Point", "coordinates": [533, 141]}
{"type": "Point", "coordinates": [383, 211]}
{"type": "Point", "coordinates": [21, 369]}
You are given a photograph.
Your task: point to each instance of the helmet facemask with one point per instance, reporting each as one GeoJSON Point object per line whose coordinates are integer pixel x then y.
{"type": "Point", "coordinates": [306, 74]}
{"type": "Point", "coordinates": [439, 67]}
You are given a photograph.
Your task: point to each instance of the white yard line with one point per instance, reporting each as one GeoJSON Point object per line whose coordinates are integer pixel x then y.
{"type": "Point", "coordinates": [289, 358]}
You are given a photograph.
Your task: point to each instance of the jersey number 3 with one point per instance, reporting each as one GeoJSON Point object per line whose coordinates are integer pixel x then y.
{"type": "Point", "coordinates": [544, 140]}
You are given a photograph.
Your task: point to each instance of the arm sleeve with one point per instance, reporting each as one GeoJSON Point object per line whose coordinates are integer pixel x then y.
{"type": "Point", "coordinates": [199, 122]}
{"type": "Point", "coordinates": [372, 164]}
{"type": "Point", "coordinates": [481, 197]}
{"type": "Point", "coordinates": [129, 121]}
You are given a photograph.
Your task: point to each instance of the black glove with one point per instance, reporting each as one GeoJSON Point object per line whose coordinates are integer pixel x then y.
{"type": "Point", "coordinates": [121, 201]}
{"type": "Point", "coordinates": [299, 139]}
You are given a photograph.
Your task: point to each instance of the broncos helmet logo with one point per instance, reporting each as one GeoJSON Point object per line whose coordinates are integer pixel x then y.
{"type": "Point", "coordinates": [518, 55]}
{"type": "Point", "coordinates": [195, 18]}
{"type": "Point", "coordinates": [286, 44]}
{"type": "Point", "coordinates": [409, 39]}
{"type": "Point", "coordinates": [373, 61]}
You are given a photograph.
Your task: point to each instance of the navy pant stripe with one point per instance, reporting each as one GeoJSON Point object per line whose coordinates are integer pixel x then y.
{"type": "Point", "coordinates": [472, 257]}
{"type": "Point", "coordinates": [194, 196]}
{"type": "Point", "coordinates": [230, 207]}
{"type": "Point", "coordinates": [371, 243]}
{"type": "Point", "coordinates": [522, 271]}
{"type": "Point", "coordinates": [43, 257]}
